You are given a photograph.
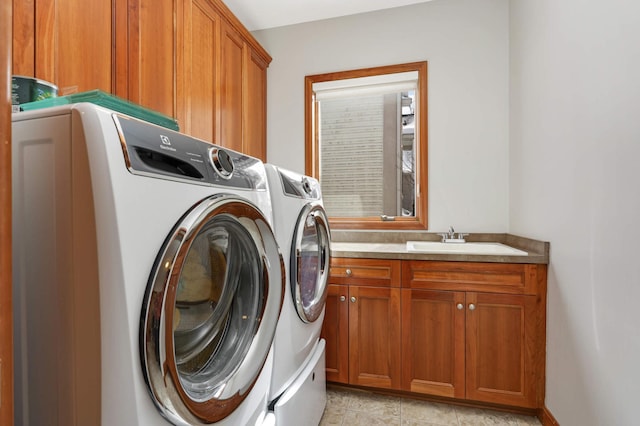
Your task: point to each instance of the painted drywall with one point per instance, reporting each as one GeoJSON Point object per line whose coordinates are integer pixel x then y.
{"type": "Point", "coordinates": [574, 164]}
{"type": "Point", "coordinates": [466, 45]}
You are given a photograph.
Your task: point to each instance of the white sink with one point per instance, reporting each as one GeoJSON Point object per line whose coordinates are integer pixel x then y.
{"type": "Point", "coordinates": [493, 249]}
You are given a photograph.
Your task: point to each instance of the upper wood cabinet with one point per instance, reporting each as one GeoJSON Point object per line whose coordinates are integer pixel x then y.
{"type": "Point", "coordinates": [67, 42]}
{"type": "Point", "coordinates": [198, 69]}
{"type": "Point", "coordinates": [23, 57]}
{"type": "Point", "coordinates": [193, 60]}
{"type": "Point", "coordinates": [255, 105]}
{"type": "Point", "coordinates": [189, 59]}
{"type": "Point", "coordinates": [229, 89]}
{"type": "Point", "coordinates": [146, 47]}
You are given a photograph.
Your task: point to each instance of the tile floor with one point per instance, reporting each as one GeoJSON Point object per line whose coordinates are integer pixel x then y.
{"type": "Point", "coordinates": [347, 407]}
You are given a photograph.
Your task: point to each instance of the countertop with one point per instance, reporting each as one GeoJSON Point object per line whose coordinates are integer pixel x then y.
{"type": "Point", "coordinates": [392, 245]}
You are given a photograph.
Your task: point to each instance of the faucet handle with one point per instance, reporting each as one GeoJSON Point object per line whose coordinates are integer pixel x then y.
{"type": "Point", "coordinates": [461, 236]}
{"type": "Point", "coordinates": [444, 236]}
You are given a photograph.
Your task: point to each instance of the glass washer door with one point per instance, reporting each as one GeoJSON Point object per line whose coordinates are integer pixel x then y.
{"type": "Point", "coordinates": [210, 311]}
{"type": "Point", "coordinates": [309, 268]}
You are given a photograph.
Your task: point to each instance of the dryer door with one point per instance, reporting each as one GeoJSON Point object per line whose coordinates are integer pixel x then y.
{"type": "Point", "coordinates": [309, 268]}
{"type": "Point", "coordinates": [210, 311]}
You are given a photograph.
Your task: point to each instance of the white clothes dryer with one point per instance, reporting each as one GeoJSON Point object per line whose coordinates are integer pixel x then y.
{"type": "Point", "coordinates": [147, 279]}
{"type": "Point", "coordinates": [298, 389]}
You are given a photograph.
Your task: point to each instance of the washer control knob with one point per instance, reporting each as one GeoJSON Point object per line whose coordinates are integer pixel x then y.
{"type": "Point", "coordinates": [221, 162]}
{"type": "Point", "coordinates": [306, 186]}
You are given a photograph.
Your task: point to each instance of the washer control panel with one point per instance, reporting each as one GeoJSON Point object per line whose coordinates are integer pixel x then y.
{"type": "Point", "coordinates": [155, 151]}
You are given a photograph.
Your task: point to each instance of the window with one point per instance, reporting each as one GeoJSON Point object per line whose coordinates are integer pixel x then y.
{"type": "Point", "coordinates": [366, 142]}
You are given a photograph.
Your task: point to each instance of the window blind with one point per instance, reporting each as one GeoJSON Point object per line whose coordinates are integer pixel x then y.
{"type": "Point", "coordinates": [352, 128]}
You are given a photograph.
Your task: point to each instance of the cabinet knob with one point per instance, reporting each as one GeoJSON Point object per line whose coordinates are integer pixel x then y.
{"type": "Point", "coordinates": [459, 306]}
{"type": "Point", "coordinates": [472, 307]}
{"type": "Point", "coordinates": [343, 298]}
{"type": "Point", "coordinates": [348, 272]}
{"type": "Point", "coordinates": [353, 299]}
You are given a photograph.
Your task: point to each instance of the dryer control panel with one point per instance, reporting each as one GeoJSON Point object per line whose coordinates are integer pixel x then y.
{"type": "Point", "coordinates": [300, 186]}
{"type": "Point", "coordinates": [158, 152]}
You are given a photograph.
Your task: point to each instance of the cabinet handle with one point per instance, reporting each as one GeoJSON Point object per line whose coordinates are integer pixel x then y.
{"type": "Point", "coordinates": [343, 298]}
{"type": "Point", "coordinates": [459, 306]}
{"type": "Point", "coordinates": [353, 299]}
{"type": "Point", "coordinates": [472, 307]}
{"type": "Point", "coordinates": [349, 272]}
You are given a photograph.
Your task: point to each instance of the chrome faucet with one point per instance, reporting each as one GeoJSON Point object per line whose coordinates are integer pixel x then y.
{"type": "Point", "coordinates": [451, 237]}
{"type": "Point", "coordinates": [452, 233]}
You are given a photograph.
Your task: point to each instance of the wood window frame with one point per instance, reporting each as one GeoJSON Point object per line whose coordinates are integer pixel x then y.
{"type": "Point", "coordinates": [312, 148]}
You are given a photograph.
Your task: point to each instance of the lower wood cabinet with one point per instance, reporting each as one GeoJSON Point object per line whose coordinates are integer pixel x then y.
{"type": "Point", "coordinates": [335, 330]}
{"type": "Point", "coordinates": [362, 324]}
{"type": "Point", "coordinates": [464, 330]}
{"type": "Point", "coordinates": [476, 346]}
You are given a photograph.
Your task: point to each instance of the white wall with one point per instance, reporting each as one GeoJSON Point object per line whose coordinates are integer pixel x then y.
{"type": "Point", "coordinates": [466, 45]}
{"type": "Point", "coordinates": [569, 172]}
{"type": "Point", "coordinates": [574, 174]}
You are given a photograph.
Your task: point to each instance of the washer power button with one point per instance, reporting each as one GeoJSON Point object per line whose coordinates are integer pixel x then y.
{"type": "Point", "coordinates": [222, 162]}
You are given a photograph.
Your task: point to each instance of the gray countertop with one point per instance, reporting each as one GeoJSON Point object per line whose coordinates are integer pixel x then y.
{"type": "Point", "coordinates": [392, 245]}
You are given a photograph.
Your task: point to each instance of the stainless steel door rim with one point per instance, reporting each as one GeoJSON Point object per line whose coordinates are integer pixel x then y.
{"type": "Point", "coordinates": [210, 311]}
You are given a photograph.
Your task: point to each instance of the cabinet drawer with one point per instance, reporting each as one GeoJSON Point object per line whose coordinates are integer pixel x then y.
{"type": "Point", "coordinates": [374, 272]}
{"type": "Point", "coordinates": [463, 276]}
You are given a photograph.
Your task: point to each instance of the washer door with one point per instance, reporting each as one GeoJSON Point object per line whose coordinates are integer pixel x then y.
{"type": "Point", "coordinates": [309, 268]}
{"type": "Point", "coordinates": [210, 311]}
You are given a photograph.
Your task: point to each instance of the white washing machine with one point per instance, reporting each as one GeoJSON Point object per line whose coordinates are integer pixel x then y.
{"type": "Point", "coordinates": [147, 279]}
{"type": "Point", "coordinates": [298, 387]}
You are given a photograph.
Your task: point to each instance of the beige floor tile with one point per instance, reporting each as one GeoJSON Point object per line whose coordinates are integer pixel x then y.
{"type": "Point", "coordinates": [337, 401]}
{"type": "Point", "coordinates": [332, 418]}
{"type": "Point", "coordinates": [351, 407]}
{"type": "Point", "coordinates": [410, 422]}
{"type": "Point", "coordinates": [375, 404]}
{"type": "Point", "coordinates": [359, 418]}
{"type": "Point", "coordinates": [528, 421]}
{"type": "Point", "coordinates": [428, 412]}
{"type": "Point", "coordinates": [478, 417]}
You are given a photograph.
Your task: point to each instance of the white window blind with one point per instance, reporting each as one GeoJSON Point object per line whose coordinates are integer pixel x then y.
{"type": "Point", "coordinates": [351, 155]}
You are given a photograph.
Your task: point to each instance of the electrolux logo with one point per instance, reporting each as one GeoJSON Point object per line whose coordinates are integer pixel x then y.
{"type": "Point", "coordinates": [166, 143]}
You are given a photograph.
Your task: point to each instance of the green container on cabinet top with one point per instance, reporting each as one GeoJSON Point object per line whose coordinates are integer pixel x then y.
{"type": "Point", "coordinates": [29, 89]}
{"type": "Point", "coordinates": [108, 101]}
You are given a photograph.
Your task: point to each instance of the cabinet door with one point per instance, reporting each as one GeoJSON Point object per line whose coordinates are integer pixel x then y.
{"type": "Point", "coordinates": [198, 69]}
{"type": "Point", "coordinates": [255, 112]}
{"type": "Point", "coordinates": [501, 348]}
{"type": "Point", "coordinates": [433, 342]}
{"type": "Point", "coordinates": [335, 330]}
{"type": "Point", "coordinates": [23, 52]}
{"type": "Point", "coordinates": [146, 52]}
{"type": "Point", "coordinates": [229, 90]}
{"type": "Point", "coordinates": [72, 43]}
{"type": "Point", "coordinates": [374, 337]}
